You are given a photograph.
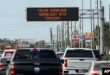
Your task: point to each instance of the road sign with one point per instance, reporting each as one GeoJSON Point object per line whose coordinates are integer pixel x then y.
{"type": "Point", "coordinates": [53, 14]}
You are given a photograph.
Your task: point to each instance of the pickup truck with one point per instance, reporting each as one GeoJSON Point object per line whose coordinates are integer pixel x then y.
{"type": "Point", "coordinates": [5, 60]}
{"type": "Point", "coordinates": [77, 60]}
{"type": "Point", "coordinates": [35, 62]}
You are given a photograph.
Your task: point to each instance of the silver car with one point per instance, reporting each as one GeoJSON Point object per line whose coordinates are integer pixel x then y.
{"type": "Point", "coordinates": [97, 68]}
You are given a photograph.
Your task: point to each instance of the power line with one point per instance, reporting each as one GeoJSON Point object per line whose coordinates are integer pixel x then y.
{"type": "Point", "coordinates": [12, 24]}
{"type": "Point", "coordinates": [17, 27]}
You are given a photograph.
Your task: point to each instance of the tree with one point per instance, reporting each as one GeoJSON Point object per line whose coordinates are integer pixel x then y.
{"type": "Point", "coordinates": [106, 35]}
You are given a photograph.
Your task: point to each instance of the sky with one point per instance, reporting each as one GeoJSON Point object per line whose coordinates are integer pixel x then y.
{"type": "Point", "coordinates": [13, 23]}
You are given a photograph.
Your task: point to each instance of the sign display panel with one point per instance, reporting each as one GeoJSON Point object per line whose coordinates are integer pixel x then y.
{"type": "Point", "coordinates": [53, 14]}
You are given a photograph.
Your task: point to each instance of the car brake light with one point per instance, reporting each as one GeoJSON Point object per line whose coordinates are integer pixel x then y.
{"type": "Point", "coordinates": [60, 70]}
{"type": "Point", "coordinates": [1, 66]}
{"type": "Point", "coordinates": [34, 49]}
{"type": "Point", "coordinates": [95, 73]}
{"type": "Point", "coordinates": [12, 69]}
{"type": "Point", "coordinates": [65, 63]}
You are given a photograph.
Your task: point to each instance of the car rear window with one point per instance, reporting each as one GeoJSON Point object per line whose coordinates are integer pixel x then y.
{"type": "Point", "coordinates": [79, 53]}
{"type": "Point", "coordinates": [8, 54]}
{"type": "Point", "coordinates": [34, 55]}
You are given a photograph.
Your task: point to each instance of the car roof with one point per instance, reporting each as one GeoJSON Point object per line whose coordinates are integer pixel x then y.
{"type": "Point", "coordinates": [33, 48]}
{"type": "Point", "coordinates": [59, 52]}
{"type": "Point", "coordinates": [9, 50]}
{"type": "Point", "coordinates": [78, 48]}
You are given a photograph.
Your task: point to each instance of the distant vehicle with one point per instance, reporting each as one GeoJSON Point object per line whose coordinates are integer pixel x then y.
{"type": "Point", "coordinates": [5, 60]}
{"type": "Point", "coordinates": [59, 54]}
{"type": "Point", "coordinates": [77, 59]}
{"type": "Point", "coordinates": [1, 52]}
{"type": "Point", "coordinates": [97, 66]}
{"type": "Point", "coordinates": [35, 62]}
{"type": "Point", "coordinates": [8, 53]}
{"type": "Point", "coordinates": [97, 54]}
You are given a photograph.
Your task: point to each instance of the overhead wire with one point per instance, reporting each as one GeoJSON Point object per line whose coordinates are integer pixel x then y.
{"type": "Point", "coordinates": [17, 27]}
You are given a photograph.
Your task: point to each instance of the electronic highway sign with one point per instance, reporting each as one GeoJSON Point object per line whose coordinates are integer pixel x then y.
{"type": "Point", "coordinates": [53, 14]}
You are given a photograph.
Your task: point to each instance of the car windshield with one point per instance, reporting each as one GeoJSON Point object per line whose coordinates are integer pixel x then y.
{"type": "Point", "coordinates": [99, 66]}
{"type": "Point", "coordinates": [79, 53]}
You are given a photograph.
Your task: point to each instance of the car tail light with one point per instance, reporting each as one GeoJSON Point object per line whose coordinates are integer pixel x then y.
{"type": "Point", "coordinates": [60, 70]}
{"type": "Point", "coordinates": [65, 63]}
{"type": "Point", "coordinates": [1, 66]}
{"type": "Point", "coordinates": [95, 73]}
{"type": "Point", "coordinates": [34, 49]}
{"type": "Point", "coordinates": [12, 69]}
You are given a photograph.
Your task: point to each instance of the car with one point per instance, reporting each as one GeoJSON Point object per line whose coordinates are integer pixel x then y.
{"type": "Point", "coordinates": [97, 66]}
{"type": "Point", "coordinates": [77, 59]}
{"type": "Point", "coordinates": [35, 62]}
{"type": "Point", "coordinates": [1, 52]}
{"type": "Point", "coordinates": [59, 54]}
{"type": "Point", "coordinates": [97, 54]}
{"type": "Point", "coordinates": [5, 60]}
{"type": "Point", "coordinates": [8, 53]}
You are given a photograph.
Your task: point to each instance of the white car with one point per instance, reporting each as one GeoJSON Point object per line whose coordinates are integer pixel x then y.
{"type": "Point", "coordinates": [77, 60]}
{"type": "Point", "coordinates": [97, 66]}
{"type": "Point", "coordinates": [8, 53]}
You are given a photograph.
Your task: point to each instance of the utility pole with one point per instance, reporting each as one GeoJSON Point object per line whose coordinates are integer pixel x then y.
{"type": "Point", "coordinates": [109, 20]}
{"type": "Point", "coordinates": [80, 34]}
{"type": "Point", "coordinates": [71, 34]}
{"type": "Point", "coordinates": [51, 37]}
{"type": "Point", "coordinates": [75, 34]}
{"type": "Point", "coordinates": [93, 28]}
{"type": "Point", "coordinates": [98, 36]}
{"type": "Point", "coordinates": [57, 38]}
{"type": "Point", "coordinates": [65, 33]}
{"type": "Point", "coordinates": [82, 25]}
{"type": "Point", "coordinates": [109, 15]}
{"type": "Point", "coordinates": [91, 23]}
{"type": "Point", "coordinates": [62, 29]}
{"type": "Point", "coordinates": [109, 26]}
{"type": "Point", "coordinates": [101, 29]}
{"type": "Point", "coordinates": [68, 36]}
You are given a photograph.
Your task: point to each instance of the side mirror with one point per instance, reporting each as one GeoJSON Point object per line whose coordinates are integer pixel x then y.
{"type": "Point", "coordinates": [102, 54]}
{"type": "Point", "coordinates": [97, 56]}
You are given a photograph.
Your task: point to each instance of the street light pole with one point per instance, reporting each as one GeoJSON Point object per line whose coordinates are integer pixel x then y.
{"type": "Point", "coordinates": [68, 38]}
{"type": "Point", "coordinates": [82, 26]}
{"type": "Point", "coordinates": [98, 34]}
{"type": "Point", "coordinates": [91, 22]}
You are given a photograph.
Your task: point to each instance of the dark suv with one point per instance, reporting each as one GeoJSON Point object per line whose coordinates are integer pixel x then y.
{"type": "Point", "coordinates": [97, 54]}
